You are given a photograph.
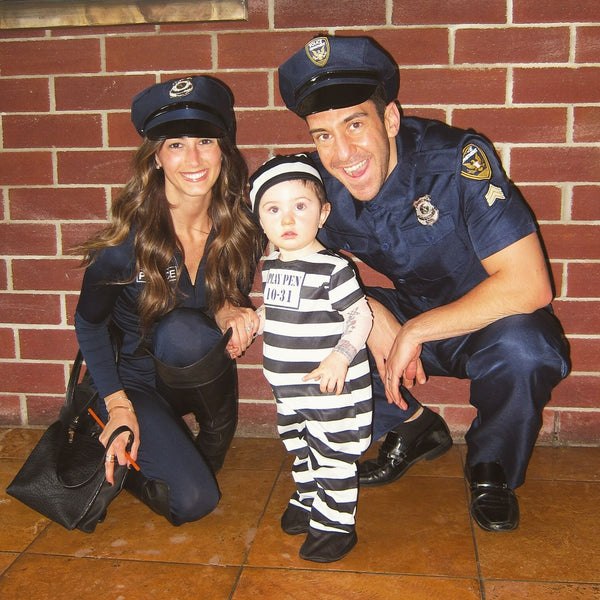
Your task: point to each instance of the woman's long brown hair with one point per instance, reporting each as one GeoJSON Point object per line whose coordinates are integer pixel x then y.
{"type": "Point", "coordinates": [143, 206]}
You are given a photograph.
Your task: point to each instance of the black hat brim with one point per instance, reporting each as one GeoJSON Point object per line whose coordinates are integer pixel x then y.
{"type": "Point", "coordinates": [334, 96]}
{"type": "Point", "coordinates": [189, 123]}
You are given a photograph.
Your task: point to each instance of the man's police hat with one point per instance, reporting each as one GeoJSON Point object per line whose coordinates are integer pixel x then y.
{"type": "Point", "coordinates": [336, 72]}
{"type": "Point", "coordinates": [193, 106]}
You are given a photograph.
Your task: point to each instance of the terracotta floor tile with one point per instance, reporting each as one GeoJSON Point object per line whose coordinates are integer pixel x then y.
{"type": "Point", "coordinates": [416, 541]}
{"type": "Point", "coordinates": [264, 454]}
{"type": "Point", "coordinates": [20, 524]}
{"type": "Point", "coordinates": [501, 590]}
{"type": "Point", "coordinates": [556, 540]}
{"type": "Point", "coordinates": [18, 443]}
{"type": "Point", "coordinates": [576, 464]}
{"type": "Point", "coordinates": [37, 577]}
{"type": "Point", "coordinates": [447, 465]}
{"type": "Point", "coordinates": [419, 525]}
{"type": "Point", "coordinates": [261, 584]}
{"type": "Point", "coordinates": [6, 559]}
{"type": "Point", "coordinates": [221, 538]}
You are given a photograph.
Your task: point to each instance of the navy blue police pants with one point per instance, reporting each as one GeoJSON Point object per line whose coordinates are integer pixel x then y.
{"type": "Point", "coordinates": [513, 365]}
{"type": "Point", "coordinates": [167, 450]}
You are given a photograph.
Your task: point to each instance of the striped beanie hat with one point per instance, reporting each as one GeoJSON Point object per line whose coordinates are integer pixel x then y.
{"type": "Point", "coordinates": [278, 169]}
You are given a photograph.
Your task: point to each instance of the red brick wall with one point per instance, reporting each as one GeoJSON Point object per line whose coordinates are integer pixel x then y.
{"type": "Point", "coordinates": [524, 73]}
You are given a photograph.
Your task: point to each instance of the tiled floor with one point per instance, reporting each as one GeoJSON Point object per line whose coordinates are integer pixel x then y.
{"type": "Point", "coordinates": [416, 540]}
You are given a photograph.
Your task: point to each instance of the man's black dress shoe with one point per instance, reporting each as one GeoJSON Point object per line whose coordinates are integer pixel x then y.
{"type": "Point", "coordinates": [425, 437]}
{"type": "Point", "coordinates": [494, 506]}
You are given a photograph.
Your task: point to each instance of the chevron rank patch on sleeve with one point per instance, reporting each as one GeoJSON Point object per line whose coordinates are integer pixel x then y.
{"type": "Point", "coordinates": [494, 193]}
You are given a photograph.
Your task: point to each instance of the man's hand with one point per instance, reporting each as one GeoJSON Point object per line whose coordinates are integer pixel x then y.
{"type": "Point", "coordinates": [393, 359]}
{"type": "Point", "coordinates": [383, 333]}
{"type": "Point", "coordinates": [403, 367]}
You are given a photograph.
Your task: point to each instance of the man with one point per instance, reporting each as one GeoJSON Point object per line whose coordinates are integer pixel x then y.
{"type": "Point", "coordinates": [430, 207]}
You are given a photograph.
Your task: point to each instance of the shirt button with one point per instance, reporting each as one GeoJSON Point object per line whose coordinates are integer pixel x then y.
{"type": "Point", "coordinates": [385, 246]}
{"type": "Point", "coordinates": [346, 246]}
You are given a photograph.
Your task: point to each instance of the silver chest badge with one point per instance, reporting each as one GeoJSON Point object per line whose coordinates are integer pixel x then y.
{"type": "Point", "coordinates": [427, 213]}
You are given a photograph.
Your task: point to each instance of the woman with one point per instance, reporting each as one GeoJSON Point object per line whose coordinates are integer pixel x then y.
{"type": "Point", "coordinates": [171, 276]}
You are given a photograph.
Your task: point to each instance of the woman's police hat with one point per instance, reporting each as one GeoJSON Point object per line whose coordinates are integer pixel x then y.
{"type": "Point", "coordinates": [193, 106]}
{"type": "Point", "coordinates": [336, 72]}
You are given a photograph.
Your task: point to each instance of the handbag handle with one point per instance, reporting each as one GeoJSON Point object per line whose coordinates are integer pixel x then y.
{"type": "Point", "coordinates": [73, 378]}
{"type": "Point", "coordinates": [118, 431]}
{"type": "Point", "coordinates": [116, 340]}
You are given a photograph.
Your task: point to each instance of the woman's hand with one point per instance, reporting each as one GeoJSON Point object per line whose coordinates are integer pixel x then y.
{"type": "Point", "coordinates": [120, 412]}
{"type": "Point", "coordinates": [244, 324]}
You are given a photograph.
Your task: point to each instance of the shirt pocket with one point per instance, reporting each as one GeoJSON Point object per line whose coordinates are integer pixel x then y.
{"type": "Point", "coordinates": [436, 251]}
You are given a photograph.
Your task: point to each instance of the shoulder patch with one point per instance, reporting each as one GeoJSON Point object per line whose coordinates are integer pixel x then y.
{"type": "Point", "coordinates": [475, 164]}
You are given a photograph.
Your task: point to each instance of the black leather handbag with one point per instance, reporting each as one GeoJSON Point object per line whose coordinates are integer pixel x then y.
{"type": "Point", "coordinates": [63, 477]}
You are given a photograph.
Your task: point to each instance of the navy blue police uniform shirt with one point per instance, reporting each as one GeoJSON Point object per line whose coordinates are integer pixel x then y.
{"type": "Point", "coordinates": [447, 205]}
{"type": "Point", "coordinates": [103, 299]}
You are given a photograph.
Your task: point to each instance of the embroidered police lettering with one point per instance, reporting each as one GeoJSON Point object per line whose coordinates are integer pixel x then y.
{"type": "Point", "coordinates": [475, 164]}
{"type": "Point", "coordinates": [171, 273]}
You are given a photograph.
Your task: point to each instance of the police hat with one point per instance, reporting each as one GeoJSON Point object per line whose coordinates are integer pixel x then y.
{"type": "Point", "coordinates": [336, 72]}
{"type": "Point", "coordinates": [194, 106]}
{"type": "Point", "coordinates": [278, 169]}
